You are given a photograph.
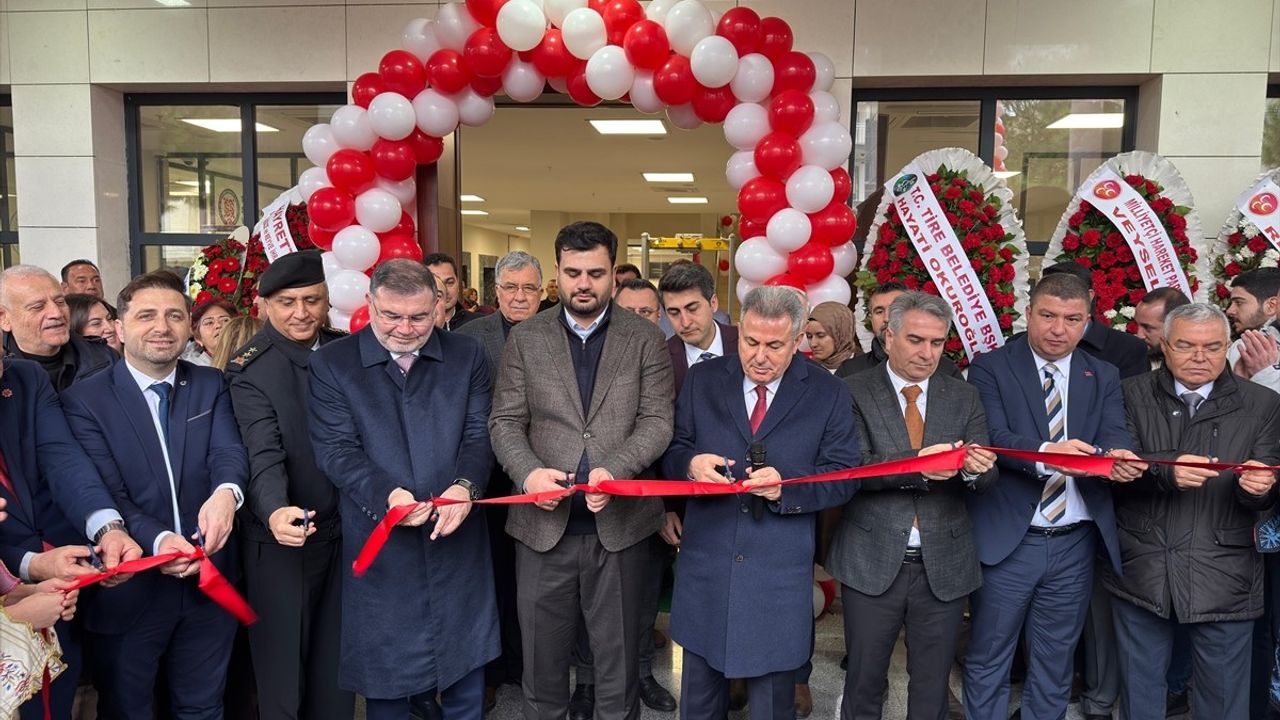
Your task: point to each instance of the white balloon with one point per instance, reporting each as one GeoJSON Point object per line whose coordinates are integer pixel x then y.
{"type": "Point", "coordinates": [474, 109]}
{"type": "Point", "coordinates": [391, 116]}
{"type": "Point", "coordinates": [436, 114]}
{"type": "Point", "coordinates": [757, 261]}
{"type": "Point", "coordinates": [521, 25]}
{"type": "Point", "coordinates": [318, 143]}
{"type": "Point", "coordinates": [744, 285]}
{"type": "Point", "coordinates": [643, 98]}
{"type": "Point", "coordinates": [406, 191]}
{"type": "Point", "coordinates": [350, 127]}
{"type": "Point", "coordinates": [330, 263]}
{"type": "Point", "coordinates": [356, 248]}
{"type": "Point", "coordinates": [609, 74]}
{"type": "Point", "coordinates": [658, 9]}
{"type": "Point", "coordinates": [1002, 153]}
{"type": "Point", "coordinates": [688, 22]}
{"type": "Point", "coordinates": [846, 257]}
{"type": "Point", "coordinates": [454, 25]}
{"type": "Point", "coordinates": [584, 33]}
{"type": "Point", "coordinates": [826, 71]}
{"type": "Point", "coordinates": [683, 117]}
{"type": "Point", "coordinates": [789, 229]}
{"type": "Point", "coordinates": [753, 82]}
{"type": "Point", "coordinates": [810, 189]}
{"type": "Point", "coordinates": [559, 84]}
{"type": "Point", "coordinates": [825, 107]}
{"type": "Point", "coordinates": [311, 180]}
{"type": "Point", "coordinates": [833, 289]}
{"type": "Point", "coordinates": [826, 145]}
{"type": "Point", "coordinates": [714, 61]}
{"type": "Point", "coordinates": [745, 125]}
{"type": "Point", "coordinates": [339, 320]}
{"type": "Point", "coordinates": [419, 38]}
{"type": "Point", "coordinates": [741, 168]}
{"type": "Point", "coordinates": [521, 81]}
{"type": "Point", "coordinates": [557, 9]}
{"type": "Point", "coordinates": [378, 210]}
{"type": "Point", "coordinates": [347, 290]}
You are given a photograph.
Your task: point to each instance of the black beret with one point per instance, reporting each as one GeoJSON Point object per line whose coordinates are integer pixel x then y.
{"type": "Point", "coordinates": [294, 270]}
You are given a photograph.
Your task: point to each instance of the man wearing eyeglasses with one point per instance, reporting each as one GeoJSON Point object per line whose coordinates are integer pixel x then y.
{"type": "Point", "coordinates": [1186, 534]}
{"type": "Point", "coordinates": [397, 417]}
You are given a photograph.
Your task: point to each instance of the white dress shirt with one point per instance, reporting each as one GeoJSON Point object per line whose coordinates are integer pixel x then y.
{"type": "Point", "coordinates": [584, 332]}
{"type": "Point", "coordinates": [1203, 391]}
{"type": "Point", "coordinates": [1076, 509]}
{"type": "Point", "coordinates": [693, 353]}
{"type": "Point", "coordinates": [749, 393]}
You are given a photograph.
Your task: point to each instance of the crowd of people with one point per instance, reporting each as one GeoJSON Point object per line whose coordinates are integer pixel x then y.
{"type": "Point", "coordinates": [277, 446]}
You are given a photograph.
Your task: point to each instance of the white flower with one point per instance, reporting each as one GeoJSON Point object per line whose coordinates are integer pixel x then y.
{"type": "Point", "coordinates": [1127, 311]}
{"type": "Point", "coordinates": [1249, 229]}
{"type": "Point", "coordinates": [1271, 256]}
{"type": "Point", "coordinates": [1245, 252]}
{"type": "Point", "coordinates": [1110, 314]}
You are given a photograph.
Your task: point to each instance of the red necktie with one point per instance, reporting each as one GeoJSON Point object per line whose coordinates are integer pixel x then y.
{"type": "Point", "coordinates": [757, 412]}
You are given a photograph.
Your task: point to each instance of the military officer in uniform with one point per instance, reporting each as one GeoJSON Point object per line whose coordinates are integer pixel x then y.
{"type": "Point", "coordinates": [289, 524]}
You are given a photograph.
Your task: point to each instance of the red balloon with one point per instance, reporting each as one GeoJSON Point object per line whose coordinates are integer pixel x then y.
{"type": "Point", "coordinates": [793, 71]}
{"type": "Point", "coordinates": [359, 318]}
{"type": "Point", "coordinates": [778, 155]}
{"type": "Point", "coordinates": [786, 279]}
{"type": "Point", "coordinates": [426, 148]}
{"type": "Point", "coordinates": [331, 209]}
{"type": "Point", "coordinates": [760, 198]}
{"type": "Point", "coordinates": [741, 26]}
{"type": "Point", "coordinates": [775, 37]}
{"type": "Point", "coordinates": [485, 54]}
{"type": "Point", "coordinates": [597, 5]}
{"type": "Point", "coordinates": [713, 104]}
{"type": "Point", "coordinates": [811, 263]}
{"type": "Point", "coordinates": [619, 16]}
{"type": "Point", "coordinates": [673, 83]}
{"type": "Point", "coordinates": [577, 86]}
{"type": "Point", "coordinates": [646, 45]}
{"type": "Point", "coordinates": [404, 227]}
{"type": "Point", "coordinates": [833, 225]}
{"type": "Point", "coordinates": [843, 183]}
{"type": "Point", "coordinates": [350, 170]}
{"type": "Point", "coordinates": [403, 73]}
{"type": "Point", "coordinates": [393, 159]}
{"type": "Point", "coordinates": [320, 237]}
{"type": "Point", "coordinates": [367, 87]}
{"type": "Point", "coordinates": [399, 246]}
{"type": "Point", "coordinates": [486, 86]}
{"type": "Point", "coordinates": [551, 58]}
{"type": "Point", "coordinates": [485, 11]}
{"type": "Point", "coordinates": [448, 72]}
{"type": "Point", "coordinates": [748, 228]}
{"type": "Point", "coordinates": [791, 111]}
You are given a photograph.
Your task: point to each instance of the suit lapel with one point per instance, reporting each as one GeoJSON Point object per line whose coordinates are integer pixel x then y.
{"type": "Point", "coordinates": [1079, 395]}
{"type": "Point", "coordinates": [10, 425]}
{"type": "Point", "coordinates": [616, 342]}
{"type": "Point", "coordinates": [177, 423]}
{"type": "Point", "coordinates": [139, 415]}
{"type": "Point", "coordinates": [1024, 371]}
{"type": "Point", "coordinates": [558, 347]}
{"type": "Point", "coordinates": [790, 390]}
{"type": "Point", "coordinates": [887, 404]}
{"type": "Point", "coordinates": [732, 397]}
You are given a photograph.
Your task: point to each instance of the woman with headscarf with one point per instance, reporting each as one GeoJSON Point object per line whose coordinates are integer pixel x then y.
{"type": "Point", "coordinates": [831, 337]}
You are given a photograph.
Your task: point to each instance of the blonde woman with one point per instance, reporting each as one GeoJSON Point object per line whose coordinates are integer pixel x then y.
{"type": "Point", "coordinates": [234, 335]}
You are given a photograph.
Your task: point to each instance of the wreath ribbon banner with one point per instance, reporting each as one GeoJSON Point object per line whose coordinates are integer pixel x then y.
{"type": "Point", "coordinates": [1135, 220]}
{"type": "Point", "coordinates": [276, 239]}
{"type": "Point", "coordinates": [1261, 205]}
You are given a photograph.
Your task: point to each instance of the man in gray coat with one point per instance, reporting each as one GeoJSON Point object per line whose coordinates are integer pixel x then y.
{"type": "Point", "coordinates": [904, 550]}
{"type": "Point", "coordinates": [583, 395]}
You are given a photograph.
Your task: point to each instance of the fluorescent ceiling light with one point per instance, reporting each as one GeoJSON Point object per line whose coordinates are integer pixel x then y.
{"type": "Point", "coordinates": [629, 127]}
{"type": "Point", "coordinates": [522, 228]}
{"type": "Point", "coordinates": [174, 3]}
{"type": "Point", "coordinates": [668, 177]}
{"type": "Point", "coordinates": [225, 125]}
{"type": "Point", "coordinates": [1006, 174]}
{"type": "Point", "coordinates": [1088, 121]}
{"type": "Point", "coordinates": [687, 200]}
{"type": "Point", "coordinates": [474, 212]}
{"type": "Point", "coordinates": [185, 193]}
{"type": "Point", "coordinates": [471, 198]}
{"type": "Point", "coordinates": [188, 183]}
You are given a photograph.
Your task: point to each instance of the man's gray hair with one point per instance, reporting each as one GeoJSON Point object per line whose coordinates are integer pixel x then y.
{"type": "Point", "coordinates": [1198, 313]}
{"type": "Point", "coordinates": [919, 302]}
{"type": "Point", "coordinates": [771, 303]}
{"type": "Point", "coordinates": [517, 260]}
{"type": "Point", "coordinates": [403, 277]}
{"type": "Point", "coordinates": [21, 271]}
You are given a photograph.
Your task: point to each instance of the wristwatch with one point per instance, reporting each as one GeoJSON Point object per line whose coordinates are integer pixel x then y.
{"type": "Point", "coordinates": [472, 491]}
{"type": "Point", "coordinates": [111, 525]}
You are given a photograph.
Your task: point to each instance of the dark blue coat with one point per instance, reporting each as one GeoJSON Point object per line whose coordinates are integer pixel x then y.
{"type": "Point", "coordinates": [1013, 397]}
{"type": "Point", "coordinates": [57, 486]}
{"type": "Point", "coordinates": [108, 415]}
{"type": "Point", "coordinates": [744, 587]}
{"type": "Point", "coordinates": [424, 615]}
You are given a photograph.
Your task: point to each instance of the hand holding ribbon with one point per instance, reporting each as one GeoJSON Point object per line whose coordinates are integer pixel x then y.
{"type": "Point", "coordinates": [212, 582]}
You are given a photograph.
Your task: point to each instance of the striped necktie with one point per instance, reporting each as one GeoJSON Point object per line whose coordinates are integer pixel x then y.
{"type": "Point", "coordinates": [1053, 498]}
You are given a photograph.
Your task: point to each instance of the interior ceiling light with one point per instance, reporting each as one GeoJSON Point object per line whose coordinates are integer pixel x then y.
{"type": "Point", "coordinates": [522, 228]}
{"type": "Point", "coordinates": [687, 200]}
{"type": "Point", "coordinates": [471, 198]}
{"type": "Point", "coordinates": [1088, 121]}
{"type": "Point", "coordinates": [629, 127]}
{"type": "Point", "coordinates": [668, 177]}
{"type": "Point", "coordinates": [474, 212]}
{"type": "Point", "coordinates": [225, 125]}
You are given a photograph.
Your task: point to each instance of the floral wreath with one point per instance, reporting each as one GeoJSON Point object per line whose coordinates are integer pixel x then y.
{"type": "Point", "coordinates": [979, 209]}
{"type": "Point", "coordinates": [1085, 236]}
{"type": "Point", "coordinates": [1239, 248]}
{"type": "Point", "coordinates": [229, 269]}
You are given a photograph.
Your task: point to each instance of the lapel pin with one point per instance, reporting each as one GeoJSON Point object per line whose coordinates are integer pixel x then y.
{"type": "Point", "coordinates": [183, 383]}
{"type": "Point", "coordinates": [7, 393]}
{"type": "Point", "coordinates": [1088, 373]}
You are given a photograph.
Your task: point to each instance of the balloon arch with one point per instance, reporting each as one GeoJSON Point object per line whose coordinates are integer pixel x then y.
{"type": "Point", "coordinates": [699, 67]}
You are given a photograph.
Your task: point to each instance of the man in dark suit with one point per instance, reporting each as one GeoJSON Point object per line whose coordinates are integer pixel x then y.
{"type": "Point", "coordinates": [398, 416]}
{"type": "Point", "coordinates": [445, 268]}
{"type": "Point", "coordinates": [1038, 526]}
{"type": "Point", "coordinates": [640, 297]}
{"type": "Point", "coordinates": [1127, 352]}
{"type": "Point", "coordinates": [743, 603]}
{"type": "Point", "coordinates": [518, 283]}
{"type": "Point", "coordinates": [878, 316]}
{"type": "Point", "coordinates": [291, 541]}
{"type": "Point", "coordinates": [55, 500]}
{"type": "Point", "coordinates": [905, 550]}
{"type": "Point", "coordinates": [35, 321]}
{"type": "Point", "coordinates": [689, 300]}
{"type": "Point", "coordinates": [1149, 315]}
{"type": "Point", "coordinates": [584, 395]}
{"type": "Point", "coordinates": [164, 438]}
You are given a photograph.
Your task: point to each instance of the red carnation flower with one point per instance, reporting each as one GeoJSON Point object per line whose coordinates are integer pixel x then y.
{"type": "Point", "coordinates": [1124, 253]}
{"type": "Point", "coordinates": [1222, 292]}
{"type": "Point", "coordinates": [1235, 239]}
{"type": "Point", "coordinates": [1257, 244]}
{"type": "Point", "coordinates": [1231, 269]}
{"type": "Point", "coordinates": [203, 297]}
{"type": "Point", "coordinates": [1006, 254]}
{"type": "Point", "coordinates": [952, 193]}
{"type": "Point", "coordinates": [1091, 238]}
{"type": "Point", "coordinates": [886, 233]}
{"type": "Point", "coordinates": [1075, 219]}
{"type": "Point", "coordinates": [895, 266]}
{"type": "Point", "coordinates": [917, 263]}
{"type": "Point", "coordinates": [1134, 180]}
{"type": "Point", "coordinates": [1106, 259]}
{"type": "Point", "coordinates": [976, 196]}
{"type": "Point", "coordinates": [952, 218]}
{"type": "Point", "coordinates": [1177, 222]}
{"type": "Point", "coordinates": [1085, 261]}
{"type": "Point", "coordinates": [959, 182]}
{"type": "Point", "coordinates": [1085, 206]}
{"type": "Point", "coordinates": [901, 249]}
{"type": "Point", "coordinates": [1134, 273]}
{"type": "Point", "coordinates": [1135, 296]}
{"type": "Point", "coordinates": [929, 287]}
{"type": "Point", "coordinates": [912, 282]}
{"type": "Point", "coordinates": [966, 206]}
{"type": "Point", "coordinates": [933, 177]}
{"type": "Point", "coordinates": [1006, 322]}
{"type": "Point", "coordinates": [953, 344]}
{"type": "Point", "coordinates": [1114, 240]}
{"type": "Point", "coordinates": [965, 224]}
{"type": "Point", "coordinates": [1152, 188]}
{"type": "Point", "coordinates": [971, 242]}
{"type": "Point", "coordinates": [227, 285]}
{"type": "Point", "coordinates": [884, 276]}
{"type": "Point", "coordinates": [1070, 242]}
{"type": "Point", "coordinates": [936, 188]}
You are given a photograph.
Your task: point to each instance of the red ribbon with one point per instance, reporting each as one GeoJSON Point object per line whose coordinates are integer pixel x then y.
{"type": "Point", "coordinates": [212, 582]}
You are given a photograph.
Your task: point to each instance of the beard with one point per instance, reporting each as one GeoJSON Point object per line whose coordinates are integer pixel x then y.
{"type": "Point", "coordinates": [586, 307]}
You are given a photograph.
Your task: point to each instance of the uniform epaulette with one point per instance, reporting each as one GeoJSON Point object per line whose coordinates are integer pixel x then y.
{"type": "Point", "coordinates": [247, 355]}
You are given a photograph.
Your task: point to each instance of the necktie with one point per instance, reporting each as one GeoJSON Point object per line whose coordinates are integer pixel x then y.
{"type": "Point", "coordinates": [757, 412]}
{"type": "Point", "coordinates": [162, 391]}
{"type": "Point", "coordinates": [5, 482]}
{"type": "Point", "coordinates": [915, 421]}
{"type": "Point", "coordinates": [405, 362]}
{"type": "Point", "coordinates": [1053, 498]}
{"type": "Point", "coordinates": [1193, 400]}
{"type": "Point", "coordinates": [705, 356]}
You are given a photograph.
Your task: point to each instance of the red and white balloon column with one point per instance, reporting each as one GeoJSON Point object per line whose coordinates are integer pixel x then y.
{"type": "Point", "coordinates": [673, 55]}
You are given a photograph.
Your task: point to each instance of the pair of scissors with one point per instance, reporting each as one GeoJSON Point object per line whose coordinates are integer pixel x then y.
{"type": "Point", "coordinates": [96, 560]}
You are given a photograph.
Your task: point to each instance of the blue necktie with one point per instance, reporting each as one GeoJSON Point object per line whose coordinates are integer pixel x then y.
{"type": "Point", "coordinates": [705, 356]}
{"type": "Point", "coordinates": [162, 391]}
